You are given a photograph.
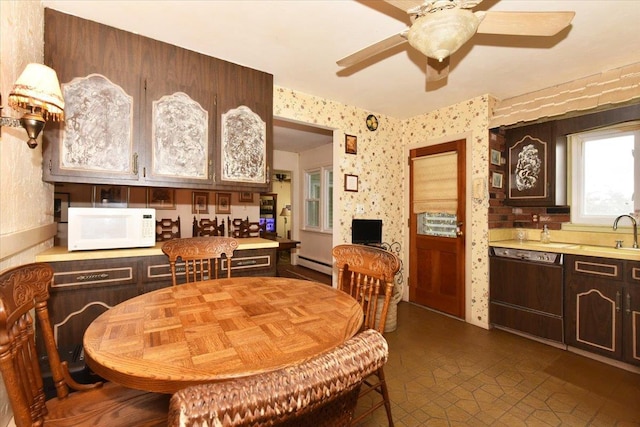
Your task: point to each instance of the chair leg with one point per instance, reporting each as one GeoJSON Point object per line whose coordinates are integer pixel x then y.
{"type": "Point", "coordinates": [385, 396]}
{"type": "Point", "coordinates": [380, 387]}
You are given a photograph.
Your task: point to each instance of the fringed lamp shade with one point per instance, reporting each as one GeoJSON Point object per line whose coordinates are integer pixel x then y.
{"type": "Point", "coordinates": [37, 90]}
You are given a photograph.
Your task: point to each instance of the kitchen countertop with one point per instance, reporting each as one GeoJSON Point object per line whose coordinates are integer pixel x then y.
{"type": "Point", "coordinates": [570, 248]}
{"type": "Point", "coordinates": [61, 253]}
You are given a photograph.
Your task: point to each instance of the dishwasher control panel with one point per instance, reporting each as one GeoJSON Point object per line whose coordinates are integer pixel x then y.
{"type": "Point", "coordinates": [528, 255]}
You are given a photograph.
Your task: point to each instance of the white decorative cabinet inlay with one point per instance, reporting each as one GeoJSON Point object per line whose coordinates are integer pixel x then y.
{"type": "Point", "coordinates": [98, 130]}
{"type": "Point", "coordinates": [244, 146]}
{"type": "Point", "coordinates": [180, 137]}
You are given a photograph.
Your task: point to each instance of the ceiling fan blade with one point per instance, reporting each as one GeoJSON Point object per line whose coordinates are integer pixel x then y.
{"type": "Point", "coordinates": [437, 70]}
{"type": "Point", "coordinates": [524, 23]}
{"type": "Point", "coordinates": [405, 4]}
{"type": "Point", "coordinates": [374, 49]}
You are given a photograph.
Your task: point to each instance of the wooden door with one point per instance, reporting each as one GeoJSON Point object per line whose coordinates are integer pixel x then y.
{"type": "Point", "coordinates": [436, 255]}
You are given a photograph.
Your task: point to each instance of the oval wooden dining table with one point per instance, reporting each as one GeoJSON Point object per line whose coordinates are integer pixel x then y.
{"type": "Point", "coordinates": [216, 330]}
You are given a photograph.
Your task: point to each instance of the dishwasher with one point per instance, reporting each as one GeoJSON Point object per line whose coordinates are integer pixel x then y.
{"type": "Point", "coordinates": [526, 293]}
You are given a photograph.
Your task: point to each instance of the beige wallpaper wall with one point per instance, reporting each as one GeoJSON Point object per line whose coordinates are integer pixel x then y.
{"type": "Point", "coordinates": [466, 120]}
{"type": "Point", "coordinates": [24, 197]}
{"type": "Point", "coordinates": [380, 164]}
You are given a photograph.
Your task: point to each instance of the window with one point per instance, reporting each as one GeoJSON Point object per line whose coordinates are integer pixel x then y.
{"type": "Point", "coordinates": [312, 199]}
{"type": "Point", "coordinates": [605, 174]}
{"type": "Point", "coordinates": [328, 199]}
{"type": "Point", "coordinates": [319, 199]}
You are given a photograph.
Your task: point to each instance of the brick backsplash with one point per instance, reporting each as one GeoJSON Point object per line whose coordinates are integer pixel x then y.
{"type": "Point", "coordinates": [503, 216]}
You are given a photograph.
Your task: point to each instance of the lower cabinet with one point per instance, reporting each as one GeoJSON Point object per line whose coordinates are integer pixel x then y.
{"type": "Point", "coordinates": [82, 290]}
{"type": "Point", "coordinates": [631, 315]}
{"type": "Point", "coordinates": [602, 306]}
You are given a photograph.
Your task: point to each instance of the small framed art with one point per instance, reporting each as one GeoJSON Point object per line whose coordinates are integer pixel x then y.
{"type": "Point", "coordinates": [350, 144]}
{"type": "Point", "coordinates": [161, 198]}
{"type": "Point", "coordinates": [200, 202]}
{"type": "Point", "coordinates": [110, 196]}
{"type": "Point", "coordinates": [351, 182]}
{"type": "Point", "coordinates": [246, 196]}
{"type": "Point", "coordinates": [496, 180]}
{"type": "Point", "coordinates": [223, 203]}
{"type": "Point", "coordinates": [495, 157]}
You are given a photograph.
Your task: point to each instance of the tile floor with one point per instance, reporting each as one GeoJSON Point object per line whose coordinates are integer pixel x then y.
{"type": "Point", "coordinates": [444, 372]}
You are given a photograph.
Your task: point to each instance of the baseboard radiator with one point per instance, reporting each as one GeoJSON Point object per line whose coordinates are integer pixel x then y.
{"type": "Point", "coordinates": [316, 265]}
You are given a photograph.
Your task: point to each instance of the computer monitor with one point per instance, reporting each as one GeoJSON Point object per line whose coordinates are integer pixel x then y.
{"type": "Point", "coordinates": [366, 231]}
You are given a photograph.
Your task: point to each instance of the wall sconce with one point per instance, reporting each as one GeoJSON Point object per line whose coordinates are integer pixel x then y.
{"type": "Point", "coordinates": [37, 91]}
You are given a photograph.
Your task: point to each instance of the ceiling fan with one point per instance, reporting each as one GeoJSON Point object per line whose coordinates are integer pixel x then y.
{"type": "Point", "coordinates": [441, 27]}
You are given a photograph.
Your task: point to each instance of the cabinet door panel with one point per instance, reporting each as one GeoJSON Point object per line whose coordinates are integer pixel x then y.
{"type": "Point", "coordinates": [532, 177]}
{"type": "Point", "coordinates": [241, 86]}
{"type": "Point", "coordinates": [631, 314]}
{"type": "Point", "coordinates": [78, 48]}
{"type": "Point", "coordinates": [594, 293]}
{"type": "Point", "coordinates": [179, 116]}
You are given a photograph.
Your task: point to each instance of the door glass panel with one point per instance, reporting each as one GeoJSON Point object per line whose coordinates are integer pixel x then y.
{"type": "Point", "coordinates": [437, 224]}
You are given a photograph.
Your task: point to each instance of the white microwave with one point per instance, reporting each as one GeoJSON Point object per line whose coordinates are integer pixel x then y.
{"type": "Point", "coordinates": [111, 228]}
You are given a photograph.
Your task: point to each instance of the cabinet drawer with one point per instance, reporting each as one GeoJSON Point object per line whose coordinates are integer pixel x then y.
{"type": "Point", "coordinates": [604, 268]}
{"type": "Point", "coordinates": [632, 274]}
{"type": "Point", "coordinates": [95, 273]}
{"type": "Point", "coordinates": [252, 262]}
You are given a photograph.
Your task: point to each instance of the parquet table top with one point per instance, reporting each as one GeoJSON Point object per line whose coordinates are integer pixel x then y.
{"type": "Point", "coordinates": [210, 331]}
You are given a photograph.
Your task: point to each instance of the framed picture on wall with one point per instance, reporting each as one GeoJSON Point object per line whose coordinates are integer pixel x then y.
{"type": "Point", "coordinates": [246, 196]}
{"type": "Point", "coordinates": [161, 198]}
{"type": "Point", "coordinates": [350, 144]}
{"type": "Point", "coordinates": [110, 196]}
{"type": "Point", "coordinates": [223, 203]}
{"type": "Point", "coordinates": [200, 202]}
{"type": "Point", "coordinates": [496, 180]}
{"type": "Point", "coordinates": [61, 202]}
{"type": "Point", "coordinates": [351, 183]}
{"type": "Point", "coordinates": [495, 157]}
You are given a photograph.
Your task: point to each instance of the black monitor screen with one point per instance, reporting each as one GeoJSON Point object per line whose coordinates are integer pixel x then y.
{"type": "Point", "coordinates": [366, 231]}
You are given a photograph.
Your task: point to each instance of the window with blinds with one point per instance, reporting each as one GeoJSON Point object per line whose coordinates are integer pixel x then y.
{"type": "Point", "coordinates": [435, 194]}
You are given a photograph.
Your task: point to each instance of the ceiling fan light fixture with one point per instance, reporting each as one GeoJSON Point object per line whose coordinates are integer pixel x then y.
{"type": "Point", "coordinates": [441, 33]}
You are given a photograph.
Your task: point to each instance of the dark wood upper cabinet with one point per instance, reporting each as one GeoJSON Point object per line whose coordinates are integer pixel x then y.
{"type": "Point", "coordinates": [143, 112]}
{"type": "Point", "coordinates": [536, 166]}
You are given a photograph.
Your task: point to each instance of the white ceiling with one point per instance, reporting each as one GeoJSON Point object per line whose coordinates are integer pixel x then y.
{"type": "Point", "coordinates": [300, 41]}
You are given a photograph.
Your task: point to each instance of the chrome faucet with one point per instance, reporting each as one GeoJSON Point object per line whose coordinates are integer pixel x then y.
{"type": "Point", "coordinates": [635, 228]}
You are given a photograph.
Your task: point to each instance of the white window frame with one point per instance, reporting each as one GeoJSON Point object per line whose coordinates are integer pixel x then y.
{"type": "Point", "coordinates": [327, 201]}
{"type": "Point", "coordinates": [576, 185]}
{"type": "Point", "coordinates": [326, 194]}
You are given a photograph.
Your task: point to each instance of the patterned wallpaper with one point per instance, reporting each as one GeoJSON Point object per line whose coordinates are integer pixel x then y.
{"type": "Point", "coordinates": [381, 166]}
{"type": "Point", "coordinates": [468, 119]}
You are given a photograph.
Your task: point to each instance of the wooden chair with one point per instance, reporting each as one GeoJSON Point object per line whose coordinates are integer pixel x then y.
{"type": "Point", "coordinates": [25, 289]}
{"type": "Point", "coordinates": [197, 253]}
{"type": "Point", "coordinates": [367, 274]}
{"type": "Point", "coordinates": [167, 229]}
{"type": "Point", "coordinates": [208, 227]}
{"type": "Point", "coordinates": [322, 391]}
{"type": "Point", "coordinates": [239, 228]}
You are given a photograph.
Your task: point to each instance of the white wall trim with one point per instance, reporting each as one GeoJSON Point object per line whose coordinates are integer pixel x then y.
{"type": "Point", "coordinates": [14, 243]}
